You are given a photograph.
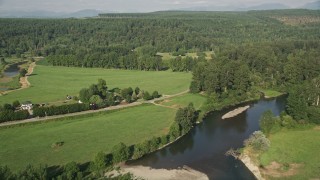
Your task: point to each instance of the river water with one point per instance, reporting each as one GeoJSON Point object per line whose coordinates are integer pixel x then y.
{"type": "Point", "coordinates": [204, 147]}
{"type": "Point", "coordinates": [12, 70]}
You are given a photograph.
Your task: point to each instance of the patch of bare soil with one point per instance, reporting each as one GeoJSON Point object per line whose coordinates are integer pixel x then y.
{"type": "Point", "coordinates": [185, 173]}
{"type": "Point", "coordinates": [165, 101]}
{"type": "Point", "coordinates": [278, 170]}
{"type": "Point", "coordinates": [317, 128]}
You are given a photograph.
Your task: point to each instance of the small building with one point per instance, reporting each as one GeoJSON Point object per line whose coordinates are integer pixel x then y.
{"type": "Point", "coordinates": [69, 97]}
{"type": "Point", "coordinates": [26, 105]}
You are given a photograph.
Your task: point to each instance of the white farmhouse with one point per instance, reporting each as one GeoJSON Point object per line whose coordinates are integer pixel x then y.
{"type": "Point", "coordinates": [26, 105]}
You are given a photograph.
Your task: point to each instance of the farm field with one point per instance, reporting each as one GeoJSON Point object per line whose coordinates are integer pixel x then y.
{"type": "Point", "coordinates": [183, 101]}
{"type": "Point", "coordinates": [270, 93]}
{"type": "Point", "coordinates": [83, 136]}
{"type": "Point", "coordinates": [53, 83]}
{"type": "Point", "coordinates": [295, 146]}
{"type": "Point", "coordinates": [167, 56]}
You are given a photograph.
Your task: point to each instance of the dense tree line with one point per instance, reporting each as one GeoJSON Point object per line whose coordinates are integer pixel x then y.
{"type": "Point", "coordinates": [236, 72]}
{"type": "Point", "coordinates": [114, 42]}
{"type": "Point", "coordinates": [57, 110]}
{"type": "Point", "coordinates": [8, 112]}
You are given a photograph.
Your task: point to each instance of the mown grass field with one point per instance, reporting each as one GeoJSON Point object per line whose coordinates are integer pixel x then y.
{"type": "Point", "coordinates": [83, 136]}
{"type": "Point", "coordinates": [270, 93]}
{"type": "Point", "coordinates": [296, 146]}
{"type": "Point", "coordinates": [52, 83]}
{"type": "Point", "coordinates": [184, 100]}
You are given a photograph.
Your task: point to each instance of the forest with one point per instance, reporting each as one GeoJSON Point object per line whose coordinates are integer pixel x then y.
{"type": "Point", "coordinates": [250, 52]}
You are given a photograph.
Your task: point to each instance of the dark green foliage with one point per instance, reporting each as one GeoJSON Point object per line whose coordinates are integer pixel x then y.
{"type": "Point", "coordinates": [126, 91]}
{"type": "Point", "coordinates": [10, 115]}
{"type": "Point", "coordinates": [6, 174]}
{"type": "Point", "coordinates": [174, 131]}
{"type": "Point", "coordinates": [182, 64]}
{"type": "Point", "coordinates": [137, 90]}
{"type": "Point", "coordinates": [194, 87]}
{"type": "Point", "coordinates": [31, 173]}
{"type": "Point", "coordinates": [267, 121]}
{"type": "Point", "coordinates": [287, 121]}
{"type": "Point", "coordinates": [56, 110]}
{"type": "Point", "coordinates": [16, 104]}
{"type": "Point", "coordinates": [100, 161]}
{"type": "Point", "coordinates": [71, 171]}
{"type": "Point", "coordinates": [128, 98]}
{"type": "Point", "coordinates": [186, 118]}
{"type": "Point", "coordinates": [154, 143]}
{"type": "Point", "coordinates": [155, 94]}
{"type": "Point", "coordinates": [164, 139]}
{"type": "Point", "coordinates": [23, 72]}
{"type": "Point", "coordinates": [304, 100]}
{"type": "Point", "coordinates": [96, 99]}
{"type": "Point", "coordinates": [314, 114]}
{"type": "Point", "coordinates": [147, 96]}
{"type": "Point", "coordinates": [120, 153]}
{"type": "Point", "coordinates": [85, 95]}
{"type": "Point", "coordinates": [8, 107]}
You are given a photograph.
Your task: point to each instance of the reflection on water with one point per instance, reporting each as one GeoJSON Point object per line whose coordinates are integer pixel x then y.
{"type": "Point", "coordinates": [12, 70]}
{"type": "Point", "coordinates": [204, 147]}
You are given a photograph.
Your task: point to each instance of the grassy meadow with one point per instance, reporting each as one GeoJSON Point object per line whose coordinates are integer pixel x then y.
{"type": "Point", "coordinates": [184, 100]}
{"type": "Point", "coordinates": [52, 83]}
{"type": "Point", "coordinates": [270, 93]}
{"type": "Point", "coordinates": [83, 136]}
{"type": "Point", "coordinates": [296, 146]}
{"type": "Point", "coordinates": [167, 56]}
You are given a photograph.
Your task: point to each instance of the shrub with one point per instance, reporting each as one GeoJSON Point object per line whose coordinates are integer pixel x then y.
{"type": "Point", "coordinates": [155, 94]}
{"type": "Point", "coordinates": [71, 171]}
{"type": "Point", "coordinates": [120, 153]}
{"type": "Point", "coordinates": [147, 96]}
{"type": "Point", "coordinates": [258, 141]}
{"type": "Point", "coordinates": [99, 161]}
{"type": "Point", "coordinates": [5, 173]}
{"type": "Point", "coordinates": [194, 87]}
{"type": "Point", "coordinates": [267, 121]}
{"type": "Point", "coordinates": [288, 122]}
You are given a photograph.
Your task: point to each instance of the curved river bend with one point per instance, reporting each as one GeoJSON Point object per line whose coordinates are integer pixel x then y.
{"type": "Point", "coordinates": [204, 147]}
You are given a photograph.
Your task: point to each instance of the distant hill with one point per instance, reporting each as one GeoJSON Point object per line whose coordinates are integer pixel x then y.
{"type": "Point", "coordinates": [268, 6]}
{"type": "Point", "coordinates": [313, 5]}
{"type": "Point", "coordinates": [49, 14]}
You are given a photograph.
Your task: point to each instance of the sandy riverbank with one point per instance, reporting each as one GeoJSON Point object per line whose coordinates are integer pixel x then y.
{"type": "Point", "coordinates": [251, 166]}
{"type": "Point", "coordinates": [185, 173]}
{"type": "Point", "coordinates": [235, 112]}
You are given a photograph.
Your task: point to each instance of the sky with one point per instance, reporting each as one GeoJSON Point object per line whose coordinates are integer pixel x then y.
{"type": "Point", "coordinates": [130, 5]}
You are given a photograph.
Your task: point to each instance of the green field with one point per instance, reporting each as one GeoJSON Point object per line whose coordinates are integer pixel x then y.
{"type": "Point", "coordinates": [167, 56]}
{"type": "Point", "coordinates": [83, 136]}
{"type": "Point", "coordinates": [52, 83]}
{"type": "Point", "coordinates": [183, 101]}
{"type": "Point", "coordinates": [270, 93]}
{"type": "Point", "coordinates": [296, 146]}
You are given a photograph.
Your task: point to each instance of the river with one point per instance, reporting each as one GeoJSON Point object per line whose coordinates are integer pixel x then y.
{"type": "Point", "coordinates": [204, 147]}
{"type": "Point", "coordinates": [12, 70]}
